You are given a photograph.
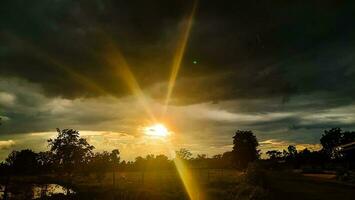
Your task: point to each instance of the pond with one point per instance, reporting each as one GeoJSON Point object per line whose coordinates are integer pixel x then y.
{"type": "Point", "coordinates": [33, 191]}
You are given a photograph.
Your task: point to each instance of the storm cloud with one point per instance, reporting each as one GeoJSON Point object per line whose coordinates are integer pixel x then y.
{"type": "Point", "coordinates": [243, 49]}
{"type": "Point", "coordinates": [284, 69]}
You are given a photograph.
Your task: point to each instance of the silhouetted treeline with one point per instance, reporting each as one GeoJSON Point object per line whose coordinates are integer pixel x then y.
{"type": "Point", "coordinates": [338, 151]}
{"type": "Point", "coordinates": [69, 155]}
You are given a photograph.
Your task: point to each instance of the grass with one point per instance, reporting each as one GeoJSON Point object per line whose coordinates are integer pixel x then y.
{"type": "Point", "coordinates": [163, 184]}
{"type": "Point", "coordinates": [316, 187]}
{"type": "Point", "coordinates": [215, 184]}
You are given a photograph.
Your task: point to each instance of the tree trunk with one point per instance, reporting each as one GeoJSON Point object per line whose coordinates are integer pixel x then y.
{"type": "Point", "coordinates": [113, 177]}
{"type": "Point", "coordinates": [6, 188]}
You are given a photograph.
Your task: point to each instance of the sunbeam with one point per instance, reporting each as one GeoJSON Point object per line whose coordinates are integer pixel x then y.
{"type": "Point", "coordinates": [49, 59]}
{"type": "Point", "coordinates": [179, 54]}
{"type": "Point", "coordinates": [190, 183]}
{"type": "Point", "coordinates": [188, 180]}
{"type": "Point", "coordinates": [117, 61]}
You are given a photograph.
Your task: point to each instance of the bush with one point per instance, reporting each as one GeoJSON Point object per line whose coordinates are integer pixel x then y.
{"type": "Point", "coordinates": [251, 192]}
{"type": "Point", "coordinates": [345, 175]}
{"type": "Point", "coordinates": [255, 175]}
{"type": "Point", "coordinates": [254, 186]}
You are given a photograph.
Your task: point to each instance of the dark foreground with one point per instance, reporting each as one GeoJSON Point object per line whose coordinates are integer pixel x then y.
{"type": "Point", "coordinates": [308, 187]}
{"type": "Point", "coordinates": [215, 184]}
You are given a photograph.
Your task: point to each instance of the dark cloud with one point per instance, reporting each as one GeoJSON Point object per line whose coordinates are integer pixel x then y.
{"type": "Point", "coordinates": [244, 49]}
{"type": "Point", "coordinates": [284, 69]}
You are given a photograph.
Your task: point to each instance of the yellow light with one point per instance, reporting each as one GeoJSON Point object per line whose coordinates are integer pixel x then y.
{"type": "Point", "coordinates": [179, 54]}
{"type": "Point", "coordinates": [118, 62]}
{"type": "Point", "coordinates": [189, 181]}
{"type": "Point", "coordinates": [54, 62]}
{"type": "Point", "coordinates": [157, 130]}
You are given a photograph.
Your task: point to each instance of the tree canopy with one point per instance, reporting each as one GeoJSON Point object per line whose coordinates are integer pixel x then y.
{"type": "Point", "coordinates": [70, 149]}
{"type": "Point", "coordinates": [333, 138]}
{"type": "Point", "coordinates": [245, 148]}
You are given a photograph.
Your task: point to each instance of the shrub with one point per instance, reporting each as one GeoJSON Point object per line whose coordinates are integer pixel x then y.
{"type": "Point", "coordinates": [255, 175]}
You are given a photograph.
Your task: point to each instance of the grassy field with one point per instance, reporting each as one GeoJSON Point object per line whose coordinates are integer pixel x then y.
{"type": "Point", "coordinates": [163, 184]}
{"type": "Point", "coordinates": [308, 187]}
{"type": "Point", "coordinates": [213, 184]}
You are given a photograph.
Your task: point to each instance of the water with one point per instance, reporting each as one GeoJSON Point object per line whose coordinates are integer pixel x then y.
{"type": "Point", "coordinates": [34, 191]}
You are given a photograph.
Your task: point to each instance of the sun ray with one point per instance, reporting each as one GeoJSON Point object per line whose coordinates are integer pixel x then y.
{"type": "Point", "coordinates": [117, 61]}
{"type": "Point", "coordinates": [188, 179]}
{"type": "Point", "coordinates": [189, 182]}
{"type": "Point", "coordinates": [179, 54]}
{"type": "Point", "coordinates": [46, 57]}
{"type": "Point", "coordinates": [120, 66]}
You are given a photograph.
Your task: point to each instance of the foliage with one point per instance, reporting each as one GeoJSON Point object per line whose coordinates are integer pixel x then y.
{"type": "Point", "coordinates": [71, 154]}
{"type": "Point", "coordinates": [292, 151]}
{"type": "Point", "coordinates": [274, 154]}
{"type": "Point", "coordinates": [23, 162]}
{"type": "Point", "coordinates": [245, 148]}
{"type": "Point", "coordinates": [255, 175]}
{"type": "Point", "coordinates": [183, 154]}
{"type": "Point", "coordinates": [254, 186]}
{"type": "Point", "coordinates": [335, 137]}
{"type": "Point", "coordinates": [99, 165]}
{"type": "Point", "coordinates": [69, 149]}
{"type": "Point", "coordinates": [345, 175]}
{"type": "Point", "coordinates": [46, 161]}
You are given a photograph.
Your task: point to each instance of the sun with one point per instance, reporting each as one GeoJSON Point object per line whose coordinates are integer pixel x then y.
{"type": "Point", "coordinates": [156, 130]}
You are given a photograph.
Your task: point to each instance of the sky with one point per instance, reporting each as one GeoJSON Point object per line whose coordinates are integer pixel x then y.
{"type": "Point", "coordinates": [283, 69]}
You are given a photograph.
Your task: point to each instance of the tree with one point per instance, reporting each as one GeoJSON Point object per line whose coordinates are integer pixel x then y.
{"type": "Point", "coordinates": [227, 159]}
{"type": "Point", "coordinates": [140, 163]}
{"type": "Point", "coordinates": [46, 161]}
{"type": "Point", "coordinates": [70, 150]}
{"type": "Point", "coordinates": [333, 138]}
{"type": "Point", "coordinates": [23, 162]}
{"type": "Point", "coordinates": [100, 165]}
{"type": "Point", "coordinates": [115, 160]}
{"type": "Point", "coordinates": [274, 154]}
{"type": "Point", "coordinates": [289, 154]}
{"type": "Point", "coordinates": [292, 151]}
{"type": "Point", "coordinates": [245, 148]}
{"type": "Point", "coordinates": [162, 162]}
{"type": "Point", "coordinates": [183, 154]}
{"type": "Point", "coordinates": [201, 157]}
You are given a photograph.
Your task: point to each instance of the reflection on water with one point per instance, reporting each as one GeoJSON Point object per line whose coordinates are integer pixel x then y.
{"type": "Point", "coordinates": [33, 191]}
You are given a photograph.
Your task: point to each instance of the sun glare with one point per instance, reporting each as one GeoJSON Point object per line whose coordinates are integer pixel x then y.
{"type": "Point", "coordinates": [156, 130]}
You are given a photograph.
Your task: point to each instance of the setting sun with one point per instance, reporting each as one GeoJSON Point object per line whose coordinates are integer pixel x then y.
{"type": "Point", "coordinates": [157, 130]}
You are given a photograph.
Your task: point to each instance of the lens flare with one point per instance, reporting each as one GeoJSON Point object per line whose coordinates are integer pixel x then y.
{"type": "Point", "coordinates": [179, 54]}
{"type": "Point", "coordinates": [189, 181]}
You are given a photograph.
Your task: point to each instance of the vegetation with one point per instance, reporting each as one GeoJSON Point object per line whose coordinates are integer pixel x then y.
{"type": "Point", "coordinates": [245, 148]}
{"type": "Point", "coordinates": [72, 163]}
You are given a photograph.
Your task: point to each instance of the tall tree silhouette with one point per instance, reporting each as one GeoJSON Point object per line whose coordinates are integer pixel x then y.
{"type": "Point", "coordinates": [333, 138]}
{"type": "Point", "coordinates": [69, 149]}
{"type": "Point", "coordinates": [245, 148]}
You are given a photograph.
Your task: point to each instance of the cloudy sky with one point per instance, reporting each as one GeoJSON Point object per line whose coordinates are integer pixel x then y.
{"type": "Point", "coordinates": [284, 69]}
